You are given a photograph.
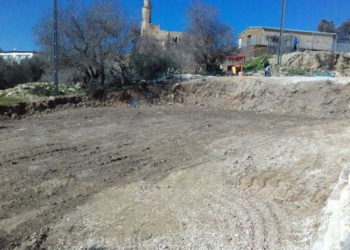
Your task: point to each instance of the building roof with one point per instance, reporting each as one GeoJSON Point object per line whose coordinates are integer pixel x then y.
{"type": "Point", "coordinates": [17, 51]}
{"type": "Point", "coordinates": [292, 31]}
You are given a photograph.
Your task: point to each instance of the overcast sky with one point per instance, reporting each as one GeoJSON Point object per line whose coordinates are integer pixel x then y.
{"type": "Point", "coordinates": [17, 17]}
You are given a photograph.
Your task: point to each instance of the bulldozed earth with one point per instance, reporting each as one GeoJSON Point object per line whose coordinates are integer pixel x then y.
{"type": "Point", "coordinates": [211, 163]}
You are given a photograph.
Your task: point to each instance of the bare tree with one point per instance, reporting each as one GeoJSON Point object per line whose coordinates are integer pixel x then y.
{"type": "Point", "coordinates": [326, 26]}
{"type": "Point", "coordinates": [94, 40]}
{"type": "Point", "coordinates": [210, 40]}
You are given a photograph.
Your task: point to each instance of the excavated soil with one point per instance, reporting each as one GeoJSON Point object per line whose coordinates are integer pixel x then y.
{"type": "Point", "coordinates": [314, 97]}
{"type": "Point", "coordinates": [177, 176]}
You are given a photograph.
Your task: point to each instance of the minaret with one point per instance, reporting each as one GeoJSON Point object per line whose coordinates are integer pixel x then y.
{"type": "Point", "coordinates": [146, 16]}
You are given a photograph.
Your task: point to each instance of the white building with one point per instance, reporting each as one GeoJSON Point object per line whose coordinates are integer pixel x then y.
{"type": "Point", "coordinates": [16, 56]}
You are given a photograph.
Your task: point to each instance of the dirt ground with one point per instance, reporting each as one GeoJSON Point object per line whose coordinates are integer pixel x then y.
{"type": "Point", "coordinates": [167, 177]}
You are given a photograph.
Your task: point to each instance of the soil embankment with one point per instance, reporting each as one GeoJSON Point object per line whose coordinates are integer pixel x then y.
{"type": "Point", "coordinates": [297, 96]}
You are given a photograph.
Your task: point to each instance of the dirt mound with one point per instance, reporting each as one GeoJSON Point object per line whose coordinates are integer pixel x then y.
{"type": "Point", "coordinates": [39, 90]}
{"type": "Point", "coordinates": [297, 96]}
{"type": "Point", "coordinates": [113, 99]}
{"type": "Point", "coordinates": [22, 109]}
{"type": "Point", "coordinates": [315, 61]}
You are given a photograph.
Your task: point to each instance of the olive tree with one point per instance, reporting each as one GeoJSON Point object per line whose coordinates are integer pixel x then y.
{"type": "Point", "coordinates": [208, 39]}
{"type": "Point", "coordinates": [152, 59]}
{"type": "Point", "coordinates": [326, 26]}
{"type": "Point", "coordinates": [344, 30]}
{"type": "Point", "coordinates": [94, 41]}
{"type": "Point", "coordinates": [13, 72]}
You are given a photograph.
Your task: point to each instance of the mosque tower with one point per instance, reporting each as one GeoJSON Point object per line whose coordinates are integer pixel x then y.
{"type": "Point", "coordinates": [146, 16]}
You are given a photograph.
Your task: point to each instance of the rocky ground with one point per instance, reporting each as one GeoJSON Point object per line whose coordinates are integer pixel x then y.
{"type": "Point", "coordinates": [173, 175]}
{"type": "Point", "coordinates": [313, 61]}
{"type": "Point", "coordinates": [310, 63]}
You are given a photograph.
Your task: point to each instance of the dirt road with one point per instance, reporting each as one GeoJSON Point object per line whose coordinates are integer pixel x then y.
{"type": "Point", "coordinates": [167, 177]}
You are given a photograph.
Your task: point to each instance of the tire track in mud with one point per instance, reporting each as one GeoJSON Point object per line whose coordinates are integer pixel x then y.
{"type": "Point", "coordinates": [268, 192]}
{"type": "Point", "coordinates": [256, 220]}
{"type": "Point", "coordinates": [264, 224]}
{"type": "Point", "coordinates": [31, 153]}
{"type": "Point", "coordinates": [289, 190]}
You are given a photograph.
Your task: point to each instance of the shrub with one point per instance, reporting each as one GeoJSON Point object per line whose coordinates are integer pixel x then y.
{"type": "Point", "coordinates": [151, 60]}
{"type": "Point", "coordinates": [13, 73]}
{"type": "Point", "coordinates": [297, 72]}
{"type": "Point", "coordinates": [256, 64]}
{"type": "Point", "coordinates": [43, 90]}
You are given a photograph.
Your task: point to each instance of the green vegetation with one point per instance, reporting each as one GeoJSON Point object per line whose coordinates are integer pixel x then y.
{"type": "Point", "coordinates": [80, 91]}
{"type": "Point", "coordinates": [297, 72]}
{"type": "Point", "coordinates": [256, 64]}
{"type": "Point", "coordinates": [32, 92]}
{"type": "Point", "coordinates": [5, 100]}
{"type": "Point", "coordinates": [13, 73]}
{"type": "Point", "coordinates": [49, 89]}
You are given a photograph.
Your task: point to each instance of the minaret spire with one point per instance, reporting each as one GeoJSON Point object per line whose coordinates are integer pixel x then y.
{"type": "Point", "coordinates": [146, 16]}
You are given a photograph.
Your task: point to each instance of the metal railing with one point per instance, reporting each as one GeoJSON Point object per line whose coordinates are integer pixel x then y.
{"type": "Point", "coordinates": [288, 44]}
{"type": "Point", "coordinates": [343, 46]}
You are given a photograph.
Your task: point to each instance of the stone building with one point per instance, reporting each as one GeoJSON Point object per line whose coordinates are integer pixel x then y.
{"type": "Point", "coordinates": [256, 41]}
{"type": "Point", "coordinates": [153, 30]}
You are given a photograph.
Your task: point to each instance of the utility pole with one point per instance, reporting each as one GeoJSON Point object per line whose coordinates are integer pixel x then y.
{"type": "Point", "coordinates": [55, 47]}
{"type": "Point", "coordinates": [336, 43]}
{"type": "Point", "coordinates": [279, 60]}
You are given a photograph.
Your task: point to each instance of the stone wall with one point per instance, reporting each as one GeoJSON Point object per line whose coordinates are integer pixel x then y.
{"type": "Point", "coordinates": [163, 36]}
{"type": "Point", "coordinates": [154, 30]}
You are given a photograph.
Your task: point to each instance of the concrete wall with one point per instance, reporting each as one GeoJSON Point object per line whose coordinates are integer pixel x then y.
{"type": "Point", "coordinates": [251, 32]}
{"type": "Point", "coordinates": [307, 41]}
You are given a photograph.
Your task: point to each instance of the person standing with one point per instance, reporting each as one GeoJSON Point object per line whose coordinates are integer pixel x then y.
{"type": "Point", "coordinates": [296, 43]}
{"type": "Point", "coordinates": [267, 68]}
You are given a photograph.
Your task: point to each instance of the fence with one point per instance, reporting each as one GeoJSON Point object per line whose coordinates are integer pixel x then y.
{"type": "Point", "coordinates": [343, 46]}
{"type": "Point", "coordinates": [270, 44]}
